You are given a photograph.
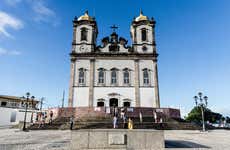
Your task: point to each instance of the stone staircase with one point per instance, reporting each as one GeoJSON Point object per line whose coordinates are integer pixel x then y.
{"type": "Point", "coordinates": [106, 122]}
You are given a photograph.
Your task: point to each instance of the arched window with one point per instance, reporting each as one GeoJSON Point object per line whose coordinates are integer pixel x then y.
{"type": "Point", "coordinates": [113, 76]}
{"type": "Point", "coordinates": [146, 77]}
{"type": "Point", "coordinates": [101, 76]}
{"type": "Point", "coordinates": [143, 34]}
{"type": "Point", "coordinates": [81, 76]}
{"type": "Point", "coordinates": [126, 76]}
{"type": "Point", "coordinates": [84, 34]}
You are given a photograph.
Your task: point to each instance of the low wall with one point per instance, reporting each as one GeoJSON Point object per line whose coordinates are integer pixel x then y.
{"type": "Point", "coordinates": [117, 139]}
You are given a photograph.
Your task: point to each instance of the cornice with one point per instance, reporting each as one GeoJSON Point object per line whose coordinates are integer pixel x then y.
{"type": "Point", "coordinates": [96, 55]}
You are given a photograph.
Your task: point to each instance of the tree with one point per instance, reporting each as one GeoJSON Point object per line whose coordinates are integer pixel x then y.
{"type": "Point", "coordinates": [195, 115]}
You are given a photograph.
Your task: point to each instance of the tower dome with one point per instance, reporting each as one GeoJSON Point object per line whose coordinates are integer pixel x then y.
{"type": "Point", "coordinates": [141, 17]}
{"type": "Point", "coordinates": [85, 17]}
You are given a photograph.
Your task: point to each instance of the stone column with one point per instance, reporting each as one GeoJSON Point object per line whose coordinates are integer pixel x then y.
{"type": "Point", "coordinates": [156, 85]}
{"type": "Point", "coordinates": [91, 82]}
{"type": "Point", "coordinates": [137, 82]}
{"type": "Point", "coordinates": [72, 81]}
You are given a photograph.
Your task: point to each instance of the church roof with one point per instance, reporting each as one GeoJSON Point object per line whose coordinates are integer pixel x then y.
{"type": "Point", "coordinates": [85, 17]}
{"type": "Point", "coordinates": [141, 17]}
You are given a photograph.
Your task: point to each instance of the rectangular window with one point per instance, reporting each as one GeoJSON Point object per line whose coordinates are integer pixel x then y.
{"type": "Point", "coordinates": [101, 75]}
{"type": "Point", "coordinates": [113, 77]}
{"type": "Point", "coordinates": [81, 79]}
{"type": "Point", "coordinates": [83, 34]}
{"type": "Point", "coordinates": [126, 77]}
{"type": "Point", "coordinates": [146, 77]}
{"type": "Point", "coordinates": [143, 35]}
{"type": "Point", "coordinates": [3, 103]}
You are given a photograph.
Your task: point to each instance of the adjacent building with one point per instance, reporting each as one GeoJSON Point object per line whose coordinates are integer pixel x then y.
{"type": "Point", "coordinates": [12, 109]}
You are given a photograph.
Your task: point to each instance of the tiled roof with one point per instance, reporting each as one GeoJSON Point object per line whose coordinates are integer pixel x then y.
{"type": "Point", "coordinates": [14, 98]}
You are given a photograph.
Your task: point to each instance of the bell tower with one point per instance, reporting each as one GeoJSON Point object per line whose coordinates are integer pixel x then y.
{"type": "Point", "coordinates": [84, 34]}
{"type": "Point", "coordinates": [143, 38]}
{"type": "Point", "coordinates": [143, 34]}
{"type": "Point", "coordinates": [84, 41]}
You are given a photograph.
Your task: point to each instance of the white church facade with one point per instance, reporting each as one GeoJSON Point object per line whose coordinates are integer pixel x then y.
{"type": "Point", "coordinates": [113, 73]}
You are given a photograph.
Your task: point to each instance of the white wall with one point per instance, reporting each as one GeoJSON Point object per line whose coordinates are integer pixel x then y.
{"type": "Point", "coordinates": [147, 94]}
{"type": "Point", "coordinates": [124, 93]}
{"type": "Point", "coordinates": [81, 97]}
{"type": "Point", "coordinates": [5, 116]}
{"type": "Point", "coordinates": [81, 94]}
{"type": "Point", "coordinates": [147, 97]}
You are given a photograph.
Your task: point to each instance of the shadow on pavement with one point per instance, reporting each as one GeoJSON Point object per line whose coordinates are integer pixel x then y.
{"type": "Point", "coordinates": [182, 144]}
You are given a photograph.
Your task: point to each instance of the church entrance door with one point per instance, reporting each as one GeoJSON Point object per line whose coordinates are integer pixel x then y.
{"type": "Point", "coordinates": [113, 102]}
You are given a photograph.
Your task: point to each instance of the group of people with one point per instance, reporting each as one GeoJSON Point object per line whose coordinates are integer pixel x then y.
{"type": "Point", "coordinates": [42, 118]}
{"type": "Point", "coordinates": [126, 123]}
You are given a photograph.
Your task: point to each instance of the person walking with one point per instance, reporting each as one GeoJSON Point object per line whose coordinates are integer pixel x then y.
{"type": "Point", "coordinates": [140, 117]}
{"type": "Point", "coordinates": [51, 117]}
{"type": "Point", "coordinates": [155, 116]}
{"type": "Point", "coordinates": [71, 122]}
{"type": "Point", "coordinates": [39, 119]}
{"type": "Point", "coordinates": [122, 113]}
{"type": "Point", "coordinates": [124, 122]}
{"type": "Point", "coordinates": [114, 122]}
{"type": "Point", "coordinates": [130, 124]}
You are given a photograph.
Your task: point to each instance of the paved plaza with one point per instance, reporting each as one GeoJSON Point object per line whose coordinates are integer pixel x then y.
{"type": "Point", "coordinates": [14, 139]}
{"type": "Point", "coordinates": [190, 139]}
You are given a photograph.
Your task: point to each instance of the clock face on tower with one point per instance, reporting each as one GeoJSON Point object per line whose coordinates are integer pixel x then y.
{"type": "Point", "coordinates": [82, 48]}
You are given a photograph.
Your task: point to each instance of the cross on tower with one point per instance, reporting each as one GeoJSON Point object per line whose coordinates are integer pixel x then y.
{"type": "Point", "coordinates": [114, 27]}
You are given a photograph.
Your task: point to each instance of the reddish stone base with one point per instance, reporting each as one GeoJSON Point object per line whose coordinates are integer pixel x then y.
{"type": "Point", "coordinates": [100, 112]}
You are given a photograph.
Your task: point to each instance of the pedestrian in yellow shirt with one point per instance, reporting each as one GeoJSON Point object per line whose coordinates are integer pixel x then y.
{"type": "Point", "coordinates": [130, 124]}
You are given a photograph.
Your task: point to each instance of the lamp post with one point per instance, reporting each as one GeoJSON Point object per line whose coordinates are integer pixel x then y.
{"type": "Point", "coordinates": [202, 102]}
{"type": "Point", "coordinates": [27, 100]}
{"type": "Point", "coordinates": [41, 103]}
{"type": "Point", "coordinates": [32, 102]}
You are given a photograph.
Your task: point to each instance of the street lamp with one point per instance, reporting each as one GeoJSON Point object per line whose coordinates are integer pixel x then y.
{"type": "Point", "coordinates": [32, 102]}
{"type": "Point", "coordinates": [27, 100]}
{"type": "Point", "coordinates": [203, 102]}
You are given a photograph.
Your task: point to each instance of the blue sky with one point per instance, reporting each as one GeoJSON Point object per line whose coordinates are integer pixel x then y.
{"type": "Point", "coordinates": [193, 40]}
